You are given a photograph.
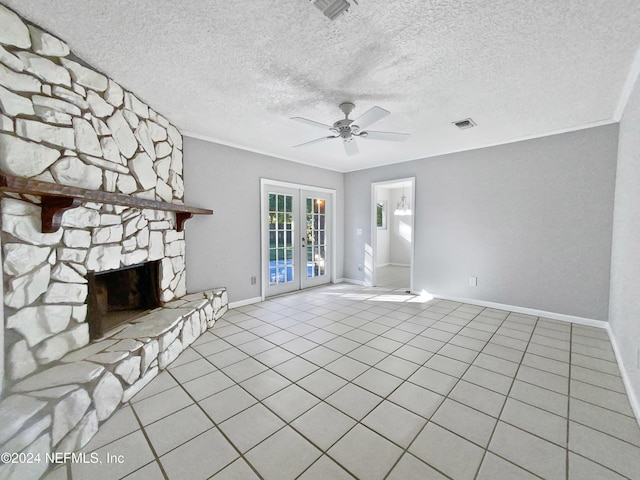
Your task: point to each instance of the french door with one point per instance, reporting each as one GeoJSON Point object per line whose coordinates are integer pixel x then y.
{"type": "Point", "coordinates": [297, 242]}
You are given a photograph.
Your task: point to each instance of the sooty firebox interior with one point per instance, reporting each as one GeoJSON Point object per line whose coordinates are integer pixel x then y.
{"type": "Point", "coordinates": [118, 296]}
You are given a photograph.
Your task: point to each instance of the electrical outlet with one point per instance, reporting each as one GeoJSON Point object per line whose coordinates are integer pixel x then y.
{"type": "Point", "coordinates": [473, 281]}
{"type": "Point", "coordinates": [253, 280]}
{"type": "Point", "coordinates": [358, 231]}
{"type": "Point", "coordinates": [359, 268]}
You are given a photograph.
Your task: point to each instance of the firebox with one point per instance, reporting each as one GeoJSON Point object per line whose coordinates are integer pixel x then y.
{"type": "Point", "coordinates": [118, 296]}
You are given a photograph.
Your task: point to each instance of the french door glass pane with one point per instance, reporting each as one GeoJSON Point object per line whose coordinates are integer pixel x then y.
{"type": "Point", "coordinates": [281, 235]}
{"type": "Point", "coordinates": [315, 237]}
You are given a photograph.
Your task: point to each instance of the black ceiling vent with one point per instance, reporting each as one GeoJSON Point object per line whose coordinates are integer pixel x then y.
{"type": "Point", "coordinates": [466, 123]}
{"type": "Point", "coordinates": [332, 9]}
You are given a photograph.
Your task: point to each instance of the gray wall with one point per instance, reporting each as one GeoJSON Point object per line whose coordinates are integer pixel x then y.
{"type": "Point", "coordinates": [224, 249]}
{"type": "Point", "coordinates": [624, 311]}
{"type": "Point", "coordinates": [532, 220]}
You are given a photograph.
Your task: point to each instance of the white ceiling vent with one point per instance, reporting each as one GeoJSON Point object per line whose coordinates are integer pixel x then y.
{"type": "Point", "coordinates": [332, 9]}
{"type": "Point", "coordinates": [466, 123]}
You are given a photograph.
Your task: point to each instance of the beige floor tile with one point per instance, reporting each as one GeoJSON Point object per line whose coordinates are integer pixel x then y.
{"type": "Point", "coordinates": [323, 425]}
{"type": "Point", "coordinates": [465, 421]}
{"type": "Point", "coordinates": [447, 452]}
{"type": "Point", "coordinates": [283, 456]}
{"type": "Point", "coordinates": [177, 428]}
{"type": "Point", "coordinates": [291, 402]}
{"type": "Point", "coordinates": [495, 468]}
{"type": "Point", "coordinates": [133, 449]}
{"type": "Point", "coordinates": [194, 460]}
{"type": "Point", "coordinates": [410, 468]}
{"type": "Point", "coordinates": [365, 453]}
{"type": "Point", "coordinates": [250, 427]}
{"type": "Point", "coordinates": [614, 454]}
{"type": "Point", "coordinates": [395, 423]}
{"type": "Point", "coordinates": [529, 452]}
{"type": "Point", "coordinates": [536, 421]}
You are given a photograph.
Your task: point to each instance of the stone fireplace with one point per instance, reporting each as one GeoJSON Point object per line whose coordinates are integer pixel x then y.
{"type": "Point", "coordinates": [62, 123]}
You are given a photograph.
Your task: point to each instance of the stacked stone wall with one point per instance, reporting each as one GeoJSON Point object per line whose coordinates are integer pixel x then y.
{"type": "Point", "coordinates": [62, 121]}
{"type": "Point", "coordinates": [65, 123]}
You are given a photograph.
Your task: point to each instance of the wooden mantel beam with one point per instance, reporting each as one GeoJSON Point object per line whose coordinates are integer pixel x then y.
{"type": "Point", "coordinates": [56, 199]}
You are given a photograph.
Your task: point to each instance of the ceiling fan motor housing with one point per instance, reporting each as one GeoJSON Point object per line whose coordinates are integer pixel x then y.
{"type": "Point", "coordinates": [343, 128]}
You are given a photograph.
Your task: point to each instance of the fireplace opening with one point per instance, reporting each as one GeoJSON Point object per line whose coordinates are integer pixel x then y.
{"type": "Point", "coordinates": [119, 296]}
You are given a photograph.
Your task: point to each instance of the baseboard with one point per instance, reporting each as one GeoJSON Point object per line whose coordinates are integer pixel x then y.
{"type": "Point", "coordinates": [246, 301]}
{"type": "Point", "coordinates": [633, 399]}
{"type": "Point", "coordinates": [380, 265]}
{"type": "Point", "coordinates": [590, 322]}
{"type": "Point", "coordinates": [399, 264]}
{"type": "Point", "coordinates": [362, 283]}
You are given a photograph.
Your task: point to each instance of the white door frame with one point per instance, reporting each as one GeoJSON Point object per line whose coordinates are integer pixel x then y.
{"type": "Point", "coordinates": [264, 184]}
{"type": "Point", "coordinates": [374, 224]}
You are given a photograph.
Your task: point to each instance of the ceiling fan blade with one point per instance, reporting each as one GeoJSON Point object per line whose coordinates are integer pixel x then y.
{"type": "Point", "coordinates": [313, 123]}
{"type": "Point", "coordinates": [351, 147]}
{"type": "Point", "coordinates": [394, 137]}
{"type": "Point", "coordinates": [370, 116]}
{"type": "Point", "coordinates": [317, 140]}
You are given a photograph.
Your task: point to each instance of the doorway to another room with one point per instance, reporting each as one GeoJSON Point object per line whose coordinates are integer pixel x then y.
{"type": "Point", "coordinates": [392, 233]}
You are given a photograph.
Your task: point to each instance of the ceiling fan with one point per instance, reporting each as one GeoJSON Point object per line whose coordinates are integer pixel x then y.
{"type": "Point", "coordinates": [347, 130]}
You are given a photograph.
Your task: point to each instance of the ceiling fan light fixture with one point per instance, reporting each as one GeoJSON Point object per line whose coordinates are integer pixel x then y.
{"type": "Point", "coordinates": [332, 9]}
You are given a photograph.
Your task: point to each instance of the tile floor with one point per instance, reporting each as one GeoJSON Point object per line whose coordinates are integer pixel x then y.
{"type": "Point", "coordinates": [393, 276]}
{"type": "Point", "coordinates": [341, 382]}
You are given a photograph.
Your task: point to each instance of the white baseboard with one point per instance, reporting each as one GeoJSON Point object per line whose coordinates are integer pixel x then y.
{"type": "Point", "coordinates": [400, 264]}
{"type": "Point", "coordinates": [380, 265]}
{"type": "Point", "coordinates": [362, 283]}
{"type": "Point", "coordinates": [590, 322]}
{"type": "Point", "coordinates": [246, 301]}
{"type": "Point", "coordinates": [631, 395]}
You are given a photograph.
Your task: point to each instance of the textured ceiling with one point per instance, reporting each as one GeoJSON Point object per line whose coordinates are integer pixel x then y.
{"type": "Point", "coordinates": [236, 71]}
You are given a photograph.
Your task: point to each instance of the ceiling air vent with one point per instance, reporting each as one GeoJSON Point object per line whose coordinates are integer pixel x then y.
{"type": "Point", "coordinates": [332, 9]}
{"type": "Point", "coordinates": [466, 123]}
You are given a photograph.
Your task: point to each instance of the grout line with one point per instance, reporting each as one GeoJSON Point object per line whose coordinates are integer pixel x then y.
{"type": "Point", "coordinates": [568, 404]}
{"type": "Point", "coordinates": [153, 450]}
{"type": "Point", "coordinates": [513, 380]}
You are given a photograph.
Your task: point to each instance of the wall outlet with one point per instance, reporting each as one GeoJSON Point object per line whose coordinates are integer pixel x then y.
{"type": "Point", "coordinates": [253, 280]}
{"type": "Point", "coordinates": [473, 281]}
{"type": "Point", "coordinates": [358, 231]}
{"type": "Point", "coordinates": [359, 268]}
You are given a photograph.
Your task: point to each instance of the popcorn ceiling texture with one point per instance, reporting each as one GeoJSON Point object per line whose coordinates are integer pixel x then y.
{"type": "Point", "coordinates": [63, 122]}
{"type": "Point", "coordinates": [236, 71]}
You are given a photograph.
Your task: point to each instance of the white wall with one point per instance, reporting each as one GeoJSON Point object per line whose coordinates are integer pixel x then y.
{"type": "Point", "coordinates": [624, 310]}
{"type": "Point", "coordinates": [532, 220]}
{"type": "Point", "coordinates": [224, 249]}
{"type": "Point", "coordinates": [383, 234]}
{"type": "Point", "coordinates": [400, 239]}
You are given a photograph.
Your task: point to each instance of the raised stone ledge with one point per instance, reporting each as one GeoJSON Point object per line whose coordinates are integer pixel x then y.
{"type": "Point", "coordinates": [88, 385]}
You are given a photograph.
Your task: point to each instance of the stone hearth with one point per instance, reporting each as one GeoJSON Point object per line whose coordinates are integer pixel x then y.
{"type": "Point", "coordinates": [63, 122]}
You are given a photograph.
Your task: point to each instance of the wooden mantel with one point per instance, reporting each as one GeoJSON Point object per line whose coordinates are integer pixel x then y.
{"type": "Point", "coordinates": [56, 199]}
